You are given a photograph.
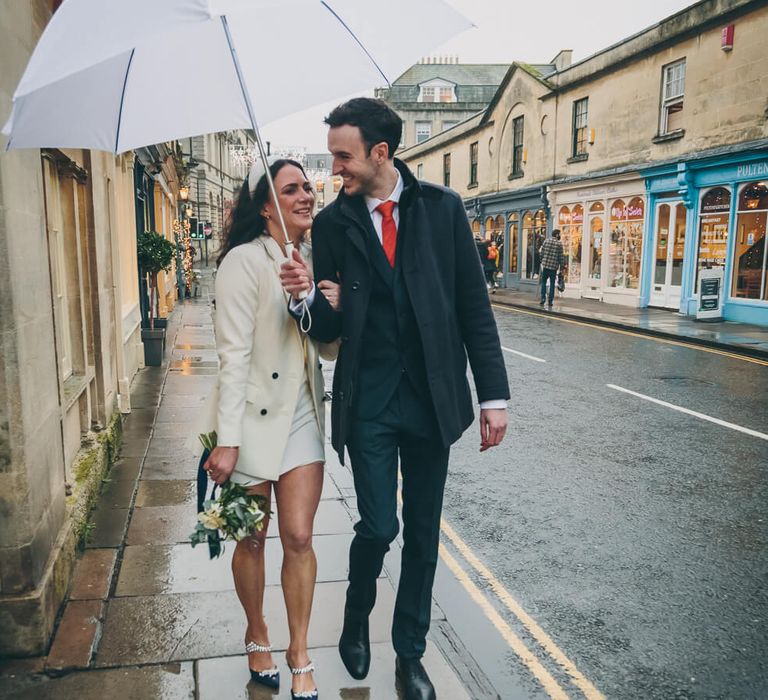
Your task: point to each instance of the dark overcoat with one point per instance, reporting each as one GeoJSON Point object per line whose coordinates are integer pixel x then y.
{"type": "Point", "coordinates": [446, 288]}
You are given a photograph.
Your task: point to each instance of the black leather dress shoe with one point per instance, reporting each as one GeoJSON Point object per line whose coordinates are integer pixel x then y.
{"type": "Point", "coordinates": [412, 680]}
{"type": "Point", "coordinates": [354, 646]}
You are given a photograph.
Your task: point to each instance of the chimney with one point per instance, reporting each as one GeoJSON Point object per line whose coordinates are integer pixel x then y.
{"type": "Point", "coordinates": [563, 60]}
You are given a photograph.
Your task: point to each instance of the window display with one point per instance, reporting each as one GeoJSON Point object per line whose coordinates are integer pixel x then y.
{"type": "Point", "coordinates": [749, 264]}
{"type": "Point", "coordinates": [626, 231]}
{"type": "Point", "coordinates": [570, 223]}
{"type": "Point", "coordinates": [713, 229]}
{"type": "Point", "coordinates": [534, 232]}
{"type": "Point", "coordinates": [514, 225]}
{"type": "Point", "coordinates": [595, 257]}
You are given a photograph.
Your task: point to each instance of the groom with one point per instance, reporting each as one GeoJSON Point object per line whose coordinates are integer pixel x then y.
{"type": "Point", "coordinates": [414, 307]}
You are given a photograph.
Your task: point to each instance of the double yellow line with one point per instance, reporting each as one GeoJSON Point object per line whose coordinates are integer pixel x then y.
{"type": "Point", "coordinates": [518, 646]}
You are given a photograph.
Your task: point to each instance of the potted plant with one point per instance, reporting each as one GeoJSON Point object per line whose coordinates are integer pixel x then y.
{"type": "Point", "coordinates": [155, 254]}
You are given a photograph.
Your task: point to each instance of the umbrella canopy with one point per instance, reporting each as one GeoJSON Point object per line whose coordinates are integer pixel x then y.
{"type": "Point", "coordinates": [95, 79]}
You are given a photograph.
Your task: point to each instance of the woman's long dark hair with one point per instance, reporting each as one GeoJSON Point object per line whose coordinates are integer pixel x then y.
{"type": "Point", "coordinates": [246, 222]}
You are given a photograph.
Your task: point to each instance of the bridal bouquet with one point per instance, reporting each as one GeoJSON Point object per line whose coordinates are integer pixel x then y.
{"type": "Point", "coordinates": [233, 514]}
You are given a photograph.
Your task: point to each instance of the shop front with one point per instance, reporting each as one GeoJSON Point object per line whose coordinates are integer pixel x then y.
{"type": "Point", "coordinates": [517, 222]}
{"type": "Point", "coordinates": [602, 228]}
{"type": "Point", "coordinates": [710, 214]}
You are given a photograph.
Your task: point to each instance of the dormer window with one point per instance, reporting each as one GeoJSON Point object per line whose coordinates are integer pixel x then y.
{"type": "Point", "coordinates": [437, 90]}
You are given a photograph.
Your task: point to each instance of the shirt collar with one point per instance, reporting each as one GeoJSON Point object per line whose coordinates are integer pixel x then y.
{"type": "Point", "coordinates": [372, 202]}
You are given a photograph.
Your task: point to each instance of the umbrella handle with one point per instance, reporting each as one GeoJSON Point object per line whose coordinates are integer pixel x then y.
{"type": "Point", "coordinates": [289, 248]}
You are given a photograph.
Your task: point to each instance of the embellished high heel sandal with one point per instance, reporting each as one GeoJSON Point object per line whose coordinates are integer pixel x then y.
{"type": "Point", "coordinates": [307, 694]}
{"type": "Point", "coordinates": [269, 678]}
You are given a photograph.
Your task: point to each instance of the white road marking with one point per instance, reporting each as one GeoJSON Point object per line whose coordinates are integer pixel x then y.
{"type": "Point", "coordinates": [703, 416]}
{"type": "Point", "coordinates": [522, 354]}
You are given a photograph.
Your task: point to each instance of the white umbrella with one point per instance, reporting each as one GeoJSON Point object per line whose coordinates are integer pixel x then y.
{"type": "Point", "coordinates": [95, 78]}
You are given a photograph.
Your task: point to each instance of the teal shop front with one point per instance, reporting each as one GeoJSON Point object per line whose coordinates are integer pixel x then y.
{"type": "Point", "coordinates": [705, 213]}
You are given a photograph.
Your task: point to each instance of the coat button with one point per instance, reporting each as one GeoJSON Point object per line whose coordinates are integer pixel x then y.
{"type": "Point", "coordinates": [355, 285]}
{"type": "Point", "coordinates": [275, 375]}
{"type": "Point", "coordinates": [263, 411]}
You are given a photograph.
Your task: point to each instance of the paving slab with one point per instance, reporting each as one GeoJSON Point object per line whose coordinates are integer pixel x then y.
{"type": "Point", "coordinates": [155, 570]}
{"type": "Point", "coordinates": [109, 525]}
{"type": "Point", "coordinates": [194, 400]}
{"type": "Point", "coordinates": [169, 468]}
{"type": "Point", "coordinates": [177, 447]}
{"type": "Point", "coordinates": [229, 678]}
{"type": "Point", "coordinates": [76, 635]}
{"type": "Point", "coordinates": [167, 492]}
{"type": "Point", "coordinates": [116, 493]}
{"type": "Point", "coordinates": [182, 626]}
{"type": "Point", "coordinates": [161, 524]}
{"type": "Point", "coordinates": [125, 469]}
{"type": "Point", "coordinates": [177, 414]}
{"type": "Point", "coordinates": [93, 575]}
{"type": "Point", "coordinates": [173, 431]}
{"type": "Point", "coordinates": [169, 682]}
{"type": "Point", "coordinates": [134, 447]}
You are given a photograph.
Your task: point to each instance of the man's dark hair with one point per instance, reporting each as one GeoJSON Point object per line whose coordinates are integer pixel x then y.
{"type": "Point", "coordinates": [375, 119]}
{"type": "Point", "coordinates": [556, 232]}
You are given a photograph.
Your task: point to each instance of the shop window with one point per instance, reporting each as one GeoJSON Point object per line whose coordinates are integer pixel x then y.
{"type": "Point", "coordinates": [672, 94]}
{"type": "Point", "coordinates": [517, 145]}
{"type": "Point", "coordinates": [580, 109]}
{"type": "Point", "coordinates": [564, 224]}
{"type": "Point", "coordinates": [473, 163]}
{"type": "Point", "coordinates": [749, 263]}
{"type": "Point", "coordinates": [476, 227]}
{"type": "Point", "coordinates": [534, 232]}
{"type": "Point", "coordinates": [423, 131]}
{"type": "Point", "coordinates": [514, 229]}
{"type": "Point", "coordinates": [594, 259]}
{"type": "Point", "coordinates": [447, 169]}
{"type": "Point", "coordinates": [714, 220]}
{"type": "Point", "coordinates": [625, 248]}
{"type": "Point", "coordinates": [573, 248]}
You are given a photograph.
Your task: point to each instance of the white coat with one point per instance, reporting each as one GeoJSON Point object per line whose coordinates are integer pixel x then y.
{"type": "Point", "coordinates": [262, 360]}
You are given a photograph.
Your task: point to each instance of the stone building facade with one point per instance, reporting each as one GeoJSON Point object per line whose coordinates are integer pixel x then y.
{"type": "Point", "coordinates": [70, 341]}
{"type": "Point", "coordinates": [623, 151]}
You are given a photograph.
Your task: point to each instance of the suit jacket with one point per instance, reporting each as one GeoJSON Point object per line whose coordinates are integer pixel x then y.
{"type": "Point", "coordinates": [262, 360]}
{"type": "Point", "coordinates": [446, 287]}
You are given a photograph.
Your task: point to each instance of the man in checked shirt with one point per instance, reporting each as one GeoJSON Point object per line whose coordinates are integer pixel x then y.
{"type": "Point", "coordinates": [551, 262]}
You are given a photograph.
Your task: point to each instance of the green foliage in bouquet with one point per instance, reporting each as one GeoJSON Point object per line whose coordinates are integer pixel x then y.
{"type": "Point", "coordinates": [233, 515]}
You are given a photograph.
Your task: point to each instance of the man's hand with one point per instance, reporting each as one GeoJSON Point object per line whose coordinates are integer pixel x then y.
{"type": "Point", "coordinates": [332, 292]}
{"type": "Point", "coordinates": [295, 276]}
{"type": "Point", "coordinates": [221, 463]}
{"type": "Point", "coordinates": [493, 425]}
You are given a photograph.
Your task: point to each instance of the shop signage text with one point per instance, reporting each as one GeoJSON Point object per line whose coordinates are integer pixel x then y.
{"type": "Point", "coordinates": [752, 170]}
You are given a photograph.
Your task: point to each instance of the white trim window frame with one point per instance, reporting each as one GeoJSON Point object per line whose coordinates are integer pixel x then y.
{"type": "Point", "coordinates": [672, 95]}
{"type": "Point", "coordinates": [423, 131]}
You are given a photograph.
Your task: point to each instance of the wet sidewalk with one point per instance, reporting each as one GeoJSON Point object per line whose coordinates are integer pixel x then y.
{"type": "Point", "coordinates": [150, 618]}
{"type": "Point", "coordinates": [730, 336]}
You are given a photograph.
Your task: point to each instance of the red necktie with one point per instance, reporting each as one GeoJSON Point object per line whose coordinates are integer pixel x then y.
{"type": "Point", "coordinates": [388, 230]}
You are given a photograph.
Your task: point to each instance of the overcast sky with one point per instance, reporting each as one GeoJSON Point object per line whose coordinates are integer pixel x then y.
{"type": "Point", "coordinates": [509, 30]}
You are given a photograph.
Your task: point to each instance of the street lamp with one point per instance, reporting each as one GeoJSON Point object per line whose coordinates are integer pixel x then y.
{"type": "Point", "coordinates": [183, 193]}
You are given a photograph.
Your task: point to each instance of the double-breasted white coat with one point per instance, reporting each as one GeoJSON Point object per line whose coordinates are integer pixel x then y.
{"type": "Point", "coordinates": [263, 358]}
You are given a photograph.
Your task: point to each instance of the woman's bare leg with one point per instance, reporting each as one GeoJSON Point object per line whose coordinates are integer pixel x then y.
{"type": "Point", "coordinates": [298, 494]}
{"type": "Point", "coordinates": [248, 571]}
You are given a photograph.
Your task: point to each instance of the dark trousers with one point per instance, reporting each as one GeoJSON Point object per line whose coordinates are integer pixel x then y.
{"type": "Point", "coordinates": [406, 427]}
{"type": "Point", "coordinates": [551, 275]}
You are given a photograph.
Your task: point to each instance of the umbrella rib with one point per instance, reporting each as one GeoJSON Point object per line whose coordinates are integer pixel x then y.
{"type": "Point", "coordinates": [122, 99]}
{"type": "Point", "coordinates": [354, 36]}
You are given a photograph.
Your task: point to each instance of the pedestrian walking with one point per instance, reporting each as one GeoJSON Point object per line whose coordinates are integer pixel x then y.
{"type": "Point", "coordinates": [269, 411]}
{"type": "Point", "coordinates": [490, 265]}
{"type": "Point", "coordinates": [413, 308]}
{"type": "Point", "coordinates": [551, 261]}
